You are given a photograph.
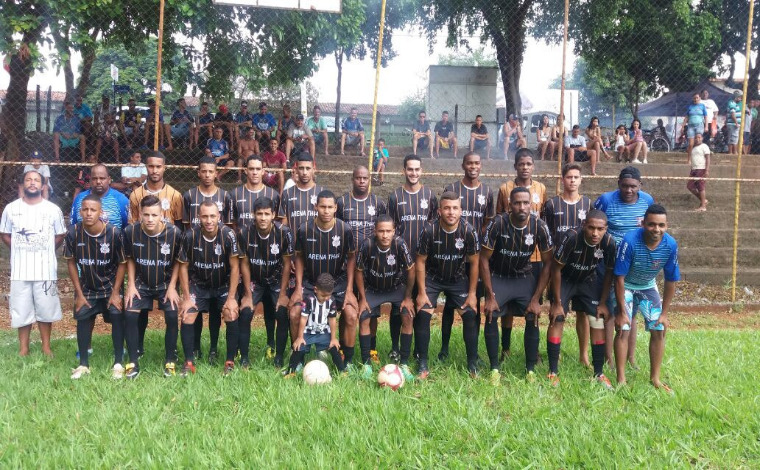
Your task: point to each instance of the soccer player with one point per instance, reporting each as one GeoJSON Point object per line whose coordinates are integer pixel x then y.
{"type": "Point", "coordinates": [298, 203]}
{"type": "Point", "coordinates": [151, 247]}
{"type": "Point", "coordinates": [642, 254]}
{"type": "Point", "coordinates": [96, 265]}
{"type": "Point", "coordinates": [625, 208]}
{"type": "Point", "coordinates": [477, 210]}
{"type": "Point", "coordinates": [316, 325]}
{"type": "Point", "coordinates": [382, 263]}
{"type": "Point", "coordinates": [446, 247]}
{"type": "Point", "coordinates": [563, 212]}
{"type": "Point", "coordinates": [574, 278]}
{"type": "Point", "coordinates": [360, 209]}
{"type": "Point", "coordinates": [170, 199]}
{"type": "Point", "coordinates": [524, 165]}
{"type": "Point", "coordinates": [326, 245]}
{"type": "Point", "coordinates": [410, 206]}
{"type": "Point", "coordinates": [209, 275]}
{"type": "Point", "coordinates": [266, 250]}
{"type": "Point", "coordinates": [32, 227]}
{"type": "Point", "coordinates": [509, 277]}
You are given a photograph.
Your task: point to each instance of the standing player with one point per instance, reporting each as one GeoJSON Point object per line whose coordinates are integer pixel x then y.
{"type": "Point", "coordinates": [445, 249]}
{"type": "Point", "coordinates": [326, 245]}
{"type": "Point", "coordinates": [209, 275]}
{"type": "Point", "coordinates": [114, 205]}
{"type": "Point", "coordinates": [509, 278]}
{"type": "Point", "coordinates": [477, 210]}
{"type": "Point", "coordinates": [524, 166]}
{"type": "Point", "coordinates": [565, 212]}
{"type": "Point", "coordinates": [207, 190]}
{"type": "Point", "coordinates": [266, 248]}
{"type": "Point", "coordinates": [298, 203]}
{"type": "Point", "coordinates": [381, 265]}
{"type": "Point", "coordinates": [151, 247]}
{"type": "Point", "coordinates": [32, 227]}
{"type": "Point", "coordinates": [411, 206]}
{"type": "Point", "coordinates": [94, 249]}
{"type": "Point", "coordinates": [360, 209]}
{"type": "Point", "coordinates": [574, 279]}
{"type": "Point", "coordinates": [642, 254]}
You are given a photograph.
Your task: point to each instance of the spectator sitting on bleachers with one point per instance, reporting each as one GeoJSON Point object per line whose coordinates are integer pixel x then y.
{"type": "Point", "coordinates": [514, 139]}
{"type": "Point", "coordinates": [83, 177]}
{"type": "Point", "coordinates": [274, 158]}
{"type": "Point", "coordinates": [422, 135]}
{"type": "Point", "coordinates": [108, 134]}
{"type": "Point", "coordinates": [164, 133]}
{"type": "Point", "coordinates": [352, 132]}
{"type": "Point", "coordinates": [544, 138]}
{"type": "Point", "coordinates": [621, 143]}
{"type": "Point", "coordinates": [265, 124]}
{"type": "Point", "coordinates": [205, 128]}
{"type": "Point", "coordinates": [299, 138]}
{"type": "Point", "coordinates": [594, 137]}
{"type": "Point", "coordinates": [243, 122]}
{"type": "Point", "coordinates": [181, 123]}
{"type": "Point", "coordinates": [318, 128]}
{"type": "Point", "coordinates": [444, 135]}
{"type": "Point", "coordinates": [283, 126]}
{"type": "Point", "coordinates": [577, 150]}
{"type": "Point", "coordinates": [130, 121]}
{"type": "Point", "coordinates": [637, 144]}
{"type": "Point", "coordinates": [67, 133]}
{"type": "Point", "coordinates": [43, 170]}
{"type": "Point", "coordinates": [379, 161]}
{"type": "Point", "coordinates": [226, 121]}
{"type": "Point", "coordinates": [218, 148]}
{"type": "Point", "coordinates": [479, 137]}
{"type": "Point", "coordinates": [84, 113]}
{"type": "Point", "coordinates": [133, 174]}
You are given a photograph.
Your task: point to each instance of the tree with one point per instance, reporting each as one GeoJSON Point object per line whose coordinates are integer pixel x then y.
{"type": "Point", "coordinates": [411, 106]}
{"type": "Point", "coordinates": [472, 57]}
{"type": "Point", "coordinates": [733, 16]}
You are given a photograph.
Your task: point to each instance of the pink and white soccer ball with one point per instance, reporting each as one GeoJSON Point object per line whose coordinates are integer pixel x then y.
{"type": "Point", "coordinates": [316, 373]}
{"type": "Point", "coordinates": [390, 376]}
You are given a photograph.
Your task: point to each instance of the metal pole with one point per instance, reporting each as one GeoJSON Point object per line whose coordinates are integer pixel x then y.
{"type": "Point", "coordinates": [157, 111]}
{"type": "Point", "coordinates": [377, 85]}
{"type": "Point", "coordinates": [560, 119]}
{"type": "Point", "coordinates": [38, 109]}
{"type": "Point", "coordinates": [47, 110]}
{"type": "Point", "coordinates": [739, 151]}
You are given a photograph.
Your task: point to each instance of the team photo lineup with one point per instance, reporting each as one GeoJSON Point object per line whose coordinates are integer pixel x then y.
{"type": "Point", "coordinates": [323, 262]}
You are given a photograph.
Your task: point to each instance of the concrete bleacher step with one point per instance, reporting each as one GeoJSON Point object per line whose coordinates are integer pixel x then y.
{"type": "Point", "coordinates": [720, 275]}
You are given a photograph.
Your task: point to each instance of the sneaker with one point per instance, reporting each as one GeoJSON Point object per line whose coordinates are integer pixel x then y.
{"type": "Point", "coordinates": [117, 373]}
{"type": "Point", "coordinates": [170, 369]}
{"type": "Point", "coordinates": [530, 377]}
{"type": "Point", "coordinates": [278, 362]}
{"type": "Point", "coordinates": [602, 379]}
{"type": "Point", "coordinates": [140, 353]}
{"type": "Point", "coordinates": [407, 373]}
{"type": "Point", "coordinates": [495, 378]}
{"type": "Point", "coordinates": [131, 371]}
{"type": "Point", "coordinates": [367, 372]}
{"type": "Point", "coordinates": [212, 357]}
{"type": "Point", "coordinates": [443, 356]}
{"type": "Point", "coordinates": [374, 357]}
{"type": "Point", "coordinates": [188, 368]}
{"type": "Point", "coordinates": [269, 353]}
{"type": "Point", "coordinates": [299, 368]}
{"type": "Point", "coordinates": [79, 372]}
{"type": "Point", "coordinates": [645, 161]}
{"type": "Point", "coordinates": [636, 160]}
{"type": "Point", "coordinates": [394, 356]}
{"type": "Point", "coordinates": [424, 372]}
{"type": "Point", "coordinates": [245, 363]}
{"type": "Point", "coordinates": [350, 369]}
{"type": "Point", "coordinates": [505, 353]}
{"type": "Point", "coordinates": [473, 372]}
{"type": "Point", "coordinates": [553, 379]}
{"type": "Point", "coordinates": [229, 366]}
{"type": "Point", "coordinates": [289, 373]}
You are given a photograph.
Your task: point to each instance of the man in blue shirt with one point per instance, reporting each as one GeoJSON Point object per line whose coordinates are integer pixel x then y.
{"type": "Point", "coordinates": [265, 124]}
{"type": "Point", "coordinates": [244, 121]}
{"type": "Point", "coordinates": [114, 204]}
{"type": "Point", "coordinates": [696, 115]}
{"type": "Point", "coordinates": [352, 132]}
{"type": "Point", "coordinates": [643, 253]}
{"type": "Point", "coordinates": [181, 121]}
{"type": "Point", "coordinates": [734, 121]}
{"type": "Point", "coordinates": [67, 132]}
{"type": "Point", "coordinates": [218, 149]}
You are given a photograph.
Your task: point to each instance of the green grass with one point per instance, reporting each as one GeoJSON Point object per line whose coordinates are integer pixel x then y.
{"type": "Point", "coordinates": [256, 419]}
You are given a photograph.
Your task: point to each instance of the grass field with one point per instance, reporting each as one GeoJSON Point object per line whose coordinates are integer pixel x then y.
{"type": "Point", "coordinates": [256, 419]}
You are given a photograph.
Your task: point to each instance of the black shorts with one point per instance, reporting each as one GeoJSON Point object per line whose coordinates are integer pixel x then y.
{"type": "Point", "coordinates": [339, 293]}
{"type": "Point", "coordinates": [224, 162]}
{"type": "Point", "coordinates": [97, 306]}
{"type": "Point", "coordinates": [584, 295]}
{"type": "Point", "coordinates": [581, 156]}
{"type": "Point", "coordinates": [513, 292]}
{"type": "Point", "coordinates": [455, 292]}
{"type": "Point", "coordinates": [262, 289]}
{"type": "Point", "coordinates": [208, 300]}
{"type": "Point", "coordinates": [376, 299]}
{"type": "Point", "coordinates": [145, 302]}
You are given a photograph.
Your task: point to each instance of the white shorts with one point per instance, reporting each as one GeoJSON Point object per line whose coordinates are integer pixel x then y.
{"type": "Point", "coordinates": [32, 301]}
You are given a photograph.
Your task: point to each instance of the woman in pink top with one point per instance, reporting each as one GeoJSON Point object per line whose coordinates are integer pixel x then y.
{"type": "Point", "coordinates": [636, 142]}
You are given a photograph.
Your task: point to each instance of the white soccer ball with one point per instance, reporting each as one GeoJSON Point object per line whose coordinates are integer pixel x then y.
{"type": "Point", "coordinates": [316, 373]}
{"type": "Point", "coordinates": [390, 376]}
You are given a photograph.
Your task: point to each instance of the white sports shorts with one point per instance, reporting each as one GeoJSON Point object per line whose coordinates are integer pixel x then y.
{"type": "Point", "coordinates": [33, 301]}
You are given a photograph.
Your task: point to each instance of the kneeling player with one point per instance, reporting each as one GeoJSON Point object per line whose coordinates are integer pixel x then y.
{"type": "Point", "coordinates": [209, 274]}
{"type": "Point", "coordinates": [381, 264]}
{"type": "Point", "coordinates": [95, 249]}
{"type": "Point", "coordinates": [507, 275]}
{"type": "Point", "coordinates": [151, 247]}
{"type": "Point", "coordinates": [574, 278]}
{"type": "Point", "coordinates": [446, 247]}
{"type": "Point", "coordinates": [266, 248]}
{"type": "Point", "coordinates": [317, 325]}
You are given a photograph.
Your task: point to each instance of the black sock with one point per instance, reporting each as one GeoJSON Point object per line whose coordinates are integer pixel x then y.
{"type": "Point", "coordinates": [447, 323]}
{"type": "Point", "coordinates": [131, 333]}
{"type": "Point", "coordinates": [188, 341]}
{"type": "Point", "coordinates": [530, 342]}
{"type": "Point", "coordinates": [269, 319]}
{"type": "Point", "coordinates": [233, 336]}
{"type": "Point", "coordinates": [470, 336]}
{"type": "Point", "coordinates": [406, 347]}
{"type": "Point", "coordinates": [283, 329]}
{"type": "Point", "coordinates": [143, 325]}
{"type": "Point", "coordinates": [198, 328]}
{"type": "Point", "coordinates": [170, 339]}
{"type": "Point", "coordinates": [348, 353]}
{"type": "Point", "coordinates": [373, 343]}
{"type": "Point", "coordinates": [337, 359]}
{"type": "Point", "coordinates": [365, 344]}
{"type": "Point", "coordinates": [491, 335]}
{"type": "Point", "coordinates": [422, 334]}
{"type": "Point", "coordinates": [117, 337]}
{"type": "Point", "coordinates": [84, 336]}
{"type": "Point", "coordinates": [395, 326]}
{"type": "Point", "coordinates": [214, 325]}
{"type": "Point", "coordinates": [597, 358]}
{"type": "Point", "coordinates": [244, 330]}
{"type": "Point", "coordinates": [506, 335]}
{"type": "Point", "coordinates": [295, 359]}
{"type": "Point", "coordinates": [552, 350]}
{"type": "Point", "coordinates": [415, 325]}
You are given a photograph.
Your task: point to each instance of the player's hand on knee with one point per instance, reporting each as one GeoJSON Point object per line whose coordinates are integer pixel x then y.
{"type": "Point", "coordinates": [80, 302]}
{"type": "Point", "coordinates": [621, 320]}
{"type": "Point", "coordinates": [334, 343]}
{"type": "Point", "coordinates": [130, 295]}
{"type": "Point", "coordinates": [663, 320]}
{"type": "Point", "coordinates": [247, 302]}
{"type": "Point", "coordinates": [172, 297]}
{"type": "Point", "coordinates": [423, 302]}
{"type": "Point", "coordinates": [555, 312]}
{"type": "Point", "coordinates": [116, 301]}
{"type": "Point", "coordinates": [471, 302]}
{"type": "Point", "coordinates": [282, 301]}
{"type": "Point", "coordinates": [602, 312]}
{"type": "Point", "coordinates": [408, 305]}
{"type": "Point", "coordinates": [298, 343]}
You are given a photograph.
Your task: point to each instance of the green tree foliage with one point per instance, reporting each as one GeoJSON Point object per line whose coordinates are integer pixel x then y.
{"type": "Point", "coordinates": [478, 57]}
{"type": "Point", "coordinates": [411, 106]}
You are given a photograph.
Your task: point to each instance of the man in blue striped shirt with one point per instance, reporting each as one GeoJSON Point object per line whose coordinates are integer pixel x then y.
{"type": "Point", "coordinates": [115, 204]}
{"type": "Point", "coordinates": [641, 255]}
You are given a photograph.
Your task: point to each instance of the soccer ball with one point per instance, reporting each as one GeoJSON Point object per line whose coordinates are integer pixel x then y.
{"type": "Point", "coordinates": [316, 373]}
{"type": "Point", "coordinates": [390, 376]}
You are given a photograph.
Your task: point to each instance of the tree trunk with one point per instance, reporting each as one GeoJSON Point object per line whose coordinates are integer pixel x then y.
{"type": "Point", "coordinates": [14, 110]}
{"type": "Point", "coordinates": [339, 63]}
{"type": "Point", "coordinates": [88, 58]}
{"type": "Point", "coordinates": [61, 40]}
{"type": "Point", "coordinates": [752, 80]}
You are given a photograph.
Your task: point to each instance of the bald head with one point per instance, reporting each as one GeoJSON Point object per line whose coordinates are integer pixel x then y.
{"type": "Point", "coordinates": [360, 181]}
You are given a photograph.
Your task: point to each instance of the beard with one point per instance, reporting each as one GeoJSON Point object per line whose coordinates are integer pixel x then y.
{"type": "Point", "coordinates": [32, 193]}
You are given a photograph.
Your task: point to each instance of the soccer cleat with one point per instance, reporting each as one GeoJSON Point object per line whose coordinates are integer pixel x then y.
{"type": "Point", "coordinates": [140, 353]}
{"type": "Point", "coordinates": [278, 362]}
{"type": "Point", "coordinates": [394, 356]}
{"type": "Point", "coordinates": [424, 372]}
{"type": "Point", "coordinates": [367, 372]}
{"type": "Point", "coordinates": [495, 378]}
{"type": "Point", "coordinates": [79, 372]}
{"type": "Point", "coordinates": [132, 371]}
{"type": "Point", "coordinates": [169, 369]}
{"type": "Point", "coordinates": [530, 377]}
{"type": "Point", "coordinates": [602, 379]}
{"type": "Point", "coordinates": [443, 356]}
{"type": "Point", "coordinates": [188, 368]}
{"type": "Point", "coordinates": [117, 373]}
{"type": "Point", "coordinates": [472, 368]}
{"type": "Point", "coordinates": [299, 368]}
{"type": "Point", "coordinates": [407, 372]}
{"type": "Point", "coordinates": [289, 373]}
{"type": "Point", "coordinates": [350, 369]}
{"type": "Point", "coordinates": [245, 363]}
{"type": "Point", "coordinates": [269, 353]}
{"type": "Point", "coordinates": [212, 357]}
{"type": "Point", "coordinates": [505, 353]}
{"type": "Point", "coordinates": [554, 379]}
{"type": "Point", "coordinates": [229, 366]}
{"type": "Point", "coordinates": [373, 356]}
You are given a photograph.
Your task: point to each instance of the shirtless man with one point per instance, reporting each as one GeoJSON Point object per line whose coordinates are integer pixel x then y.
{"type": "Point", "coordinates": [247, 146]}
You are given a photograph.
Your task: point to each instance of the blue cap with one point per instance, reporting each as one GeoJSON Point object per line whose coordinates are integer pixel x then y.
{"type": "Point", "coordinates": [35, 154]}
